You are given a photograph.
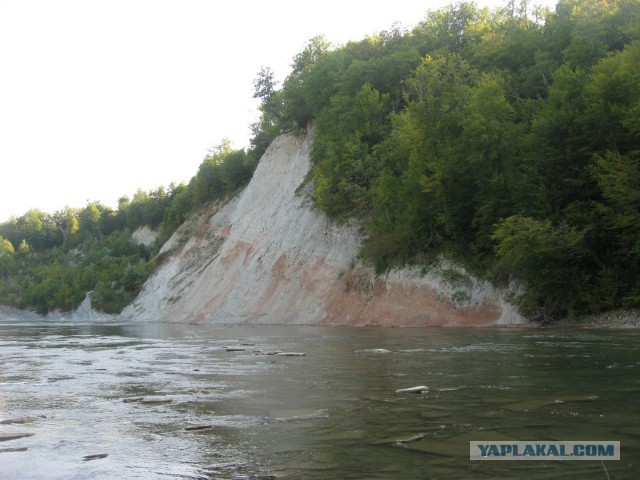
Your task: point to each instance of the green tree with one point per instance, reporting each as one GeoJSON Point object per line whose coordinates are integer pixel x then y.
{"type": "Point", "coordinates": [346, 166]}
{"type": "Point", "coordinates": [546, 258]}
{"type": "Point", "coordinates": [89, 219]}
{"type": "Point", "coordinates": [6, 247]}
{"type": "Point", "coordinates": [24, 247]}
{"type": "Point", "coordinates": [296, 109]}
{"type": "Point", "coordinates": [612, 101]}
{"type": "Point", "coordinates": [618, 177]}
{"type": "Point", "coordinates": [490, 146]}
{"type": "Point", "coordinates": [265, 85]}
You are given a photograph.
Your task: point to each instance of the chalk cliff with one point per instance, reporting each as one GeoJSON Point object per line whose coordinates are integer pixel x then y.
{"type": "Point", "coordinates": [268, 256]}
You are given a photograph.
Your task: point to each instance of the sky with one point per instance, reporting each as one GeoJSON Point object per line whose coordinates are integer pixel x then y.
{"type": "Point", "coordinates": [101, 97]}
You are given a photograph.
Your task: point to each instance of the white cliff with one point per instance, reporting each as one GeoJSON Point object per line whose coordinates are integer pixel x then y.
{"type": "Point", "coordinates": [269, 256]}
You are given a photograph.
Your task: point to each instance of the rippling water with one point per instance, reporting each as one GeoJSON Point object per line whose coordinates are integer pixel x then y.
{"type": "Point", "coordinates": [236, 412]}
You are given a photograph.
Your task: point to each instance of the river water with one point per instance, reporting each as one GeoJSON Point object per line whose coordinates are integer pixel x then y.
{"type": "Point", "coordinates": [233, 411]}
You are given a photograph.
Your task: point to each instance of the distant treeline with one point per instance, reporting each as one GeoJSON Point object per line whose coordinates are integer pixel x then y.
{"type": "Point", "coordinates": [508, 139]}
{"type": "Point", "coordinates": [50, 261]}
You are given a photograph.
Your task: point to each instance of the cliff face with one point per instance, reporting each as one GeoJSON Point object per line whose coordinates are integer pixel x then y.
{"type": "Point", "coordinates": [268, 256]}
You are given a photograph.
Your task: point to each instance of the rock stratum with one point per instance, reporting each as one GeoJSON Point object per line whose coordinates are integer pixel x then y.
{"type": "Point", "coordinates": [268, 256]}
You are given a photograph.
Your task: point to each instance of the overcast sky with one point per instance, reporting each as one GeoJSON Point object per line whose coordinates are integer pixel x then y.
{"type": "Point", "coordinates": [101, 97]}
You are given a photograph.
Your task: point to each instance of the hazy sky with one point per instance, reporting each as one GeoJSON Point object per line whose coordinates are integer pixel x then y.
{"type": "Point", "coordinates": [101, 97]}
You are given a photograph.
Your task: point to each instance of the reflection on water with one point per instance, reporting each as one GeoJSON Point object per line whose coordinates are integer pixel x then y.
{"type": "Point", "coordinates": [227, 407]}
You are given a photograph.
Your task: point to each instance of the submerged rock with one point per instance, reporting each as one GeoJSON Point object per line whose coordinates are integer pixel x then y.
{"type": "Point", "coordinates": [291, 354]}
{"type": "Point", "coordinates": [400, 441]}
{"type": "Point", "coordinates": [60, 377]}
{"type": "Point", "coordinates": [373, 350]}
{"type": "Point", "coordinates": [14, 449]}
{"type": "Point", "coordinates": [308, 416]}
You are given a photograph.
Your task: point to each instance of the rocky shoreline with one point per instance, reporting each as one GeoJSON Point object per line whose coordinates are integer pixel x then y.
{"type": "Point", "coordinates": [612, 319]}
{"type": "Point", "coordinates": [83, 314]}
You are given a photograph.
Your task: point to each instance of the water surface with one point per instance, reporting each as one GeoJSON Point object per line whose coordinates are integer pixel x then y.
{"type": "Point", "coordinates": [331, 414]}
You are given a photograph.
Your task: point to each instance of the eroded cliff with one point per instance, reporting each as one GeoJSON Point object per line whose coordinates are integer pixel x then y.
{"type": "Point", "coordinates": [269, 256]}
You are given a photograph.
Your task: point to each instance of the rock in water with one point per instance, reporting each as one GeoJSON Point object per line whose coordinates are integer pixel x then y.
{"type": "Point", "coordinates": [415, 438]}
{"type": "Point", "coordinates": [14, 436]}
{"type": "Point", "coordinates": [14, 449]}
{"type": "Point", "coordinates": [155, 400]}
{"type": "Point", "coordinates": [198, 427]}
{"type": "Point", "coordinates": [97, 456]}
{"type": "Point", "coordinates": [419, 389]}
{"type": "Point", "coordinates": [132, 399]}
{"type": "Point", "coordinates": [20, 420]}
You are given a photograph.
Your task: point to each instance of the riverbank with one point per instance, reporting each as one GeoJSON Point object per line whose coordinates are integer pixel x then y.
{"type": "Point", "coordinates": [613, 319]}
{"type": "Point", "coordinates": [83, 314]}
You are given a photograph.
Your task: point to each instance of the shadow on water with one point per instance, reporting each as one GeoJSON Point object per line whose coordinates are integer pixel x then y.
{"type": "Point", "coordinates": [218, 402]}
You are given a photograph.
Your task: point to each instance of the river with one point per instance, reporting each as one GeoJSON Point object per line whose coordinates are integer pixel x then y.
{"type": "Point", "coordinates": [234, 410]}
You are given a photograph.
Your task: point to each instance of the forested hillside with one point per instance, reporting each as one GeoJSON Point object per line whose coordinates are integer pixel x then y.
{"type": "Point", "coordinates": [506, 139]}
{"type": "Point", "coordinates": [50, 261]}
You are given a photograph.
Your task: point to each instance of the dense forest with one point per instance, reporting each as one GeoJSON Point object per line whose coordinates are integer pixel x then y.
{"type": "Point", "coordinates": [507, 139]}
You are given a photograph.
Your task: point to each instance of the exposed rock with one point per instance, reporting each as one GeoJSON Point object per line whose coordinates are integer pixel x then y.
{"type": "Point", "coordinates": [19, 420]}
{"type": "Point", "coordinates": [14, 449]}
{"type": "Point", "coordinates": [84, 313]}
{"type": "Point", "coordinates": [132, 399]}
{"type": "Point", "coordinates": [412, 439]}
{"type": "Point", "coordinates": [198, 427]}
{"type": "Point", "coordinates": [155, 400]}
{"type": "Point", "coordinates": [96, 456]}
{"type": "Point", "coordinates": [621, 318]}
{"type": "Point", "coordinates": [419, 389]}
{"type": "Point", "coordinates": [14, 314]}
{"type": "Point", "coordinates": [144, 236]}
{"type": "Point", "coordinates": [267, 256]}
{"type": "Point", "coordinates": [14, 436]}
